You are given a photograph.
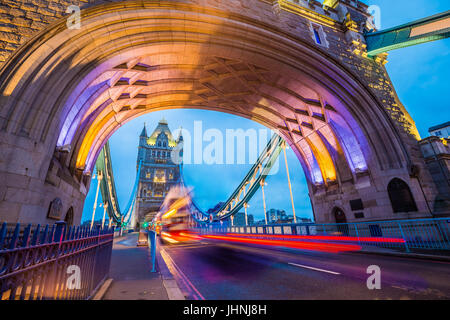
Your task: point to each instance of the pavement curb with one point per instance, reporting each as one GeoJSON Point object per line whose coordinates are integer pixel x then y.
{"type": "Point", "coordinates": [102, 290]}
{"type": "Point", "coordinates": [406, 255]}
{"type": "Point", "coordinates": [170, 284]}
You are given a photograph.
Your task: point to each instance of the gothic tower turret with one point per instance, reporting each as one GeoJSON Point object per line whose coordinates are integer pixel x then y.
{"type": "Point", "coordinates": [158, 171]}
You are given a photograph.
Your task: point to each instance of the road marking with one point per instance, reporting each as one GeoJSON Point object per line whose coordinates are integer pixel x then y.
{"type": "Point", "coordinates": [312, 268]}
{"type": "Point", "coordinates": [177, 273]}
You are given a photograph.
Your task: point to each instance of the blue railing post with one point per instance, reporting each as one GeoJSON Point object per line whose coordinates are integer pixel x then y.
{"type": "Point", "coordinates": [152, 244]}
{"type": "Point", "coordinates": [59, 232]}
{"type": "Point", "coordinates": [403, 236]}
{"type": "Point", "coordinates": [357, 234]}
{"type": "Point", "coordinates": [12, 244]}
{"type": "Point", "coordinates": [2, 235]}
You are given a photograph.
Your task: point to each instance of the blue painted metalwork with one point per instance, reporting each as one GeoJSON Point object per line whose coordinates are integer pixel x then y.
{"type": "Point", "coordinates": [401, 36]}
{"type": "Point", "coordinates": [108, 188]}
{"type": "Point", "coordinates": [152, 244]}
{"type": "Point", "coordinates": [258, 172]}
{"type": "Point", "coordinates": [428, 234]}
{"type": "Point", "coordinates": [34, 261]}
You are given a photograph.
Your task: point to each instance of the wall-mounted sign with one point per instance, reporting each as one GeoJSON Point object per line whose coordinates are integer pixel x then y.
{"type": "Point", "coordinates": [55, 209]}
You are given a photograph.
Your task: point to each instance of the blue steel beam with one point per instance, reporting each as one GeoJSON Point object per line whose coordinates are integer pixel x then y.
{"type": "Point", "coordinates": [108, 188]}
{"type": "Point", "coordinates": [251, 183]}
{"type": "Point", "coordinates": [432, 28]}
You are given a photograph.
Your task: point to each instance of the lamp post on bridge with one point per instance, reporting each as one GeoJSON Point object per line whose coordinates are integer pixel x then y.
{"type": "Point", "coordinates": [245, 211]}
{"type": "Point", "coordinates": [263, 183]}
{"type": "Point", "coordinates": [289, 181]}
{"type": "Point", "coordinates": [99, 180]}
{"type": "Point", "coordinates": [105, 207]}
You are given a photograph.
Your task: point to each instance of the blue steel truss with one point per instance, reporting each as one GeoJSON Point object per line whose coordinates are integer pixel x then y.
{"type": "Point", "coordinates": [432, 28]}
{"type": "Point", "coordinates": [108, 188]}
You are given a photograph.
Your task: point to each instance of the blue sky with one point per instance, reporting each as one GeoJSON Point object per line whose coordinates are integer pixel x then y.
{"type": "Point", "coordinates": [419, 74]}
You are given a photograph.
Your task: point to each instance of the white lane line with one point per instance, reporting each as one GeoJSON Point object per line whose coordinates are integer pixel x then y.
{"type": "Point", "coordinates": [312, 268]}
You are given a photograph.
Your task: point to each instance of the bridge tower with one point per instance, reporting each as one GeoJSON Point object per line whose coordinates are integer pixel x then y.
{"type": "Point", "coordinates": [313, 71]}
{"type": "Point", "coordinates": [159, 172]}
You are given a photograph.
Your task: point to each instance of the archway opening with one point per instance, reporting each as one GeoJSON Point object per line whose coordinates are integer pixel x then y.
{"type": "Point", "coordinates": [126, 62]}
{"type": "Point", "coordinates": [218, 149]}
{"type": "Point", "coordinates": [401, 197]}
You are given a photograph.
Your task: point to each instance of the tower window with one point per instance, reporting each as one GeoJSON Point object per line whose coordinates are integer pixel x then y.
{"type": "Point", "coordinates": [164, 144]}
{"type": "Point", "coordinates": [317, 36]}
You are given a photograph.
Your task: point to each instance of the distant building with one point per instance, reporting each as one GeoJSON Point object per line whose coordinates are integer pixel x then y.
{"type": "Point", "coordinates": [215, 209]}
{"type": "Point", "coordinates": [441, 131]}
{"type": "Point", "coordinates": [436, 152]}
{"type": "Point", "coordinates": [158, 172]}
{"type": "Point", "coordinates": [239, 219]}
{"type": "Point", "coordinates": [278, 216]}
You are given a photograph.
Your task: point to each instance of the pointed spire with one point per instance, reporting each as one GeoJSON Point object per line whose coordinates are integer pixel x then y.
{"type": "Point", "coordinates": [180, 136]}
{"type": "Point", "coordinates": [163, 121]}
{"type": "Point", "coordinates": [144, 131]}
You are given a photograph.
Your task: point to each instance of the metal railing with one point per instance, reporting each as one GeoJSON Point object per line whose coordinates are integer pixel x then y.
{"type": "Point", "coordinates": [53, 262]}
{"type": "Point", "coordinates": [426, 234]}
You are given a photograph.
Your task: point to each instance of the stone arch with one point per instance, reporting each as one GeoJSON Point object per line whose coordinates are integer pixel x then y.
{"type": "Point", "coordinates": [339, 215]}
{"type": "Point", "coordinates": [70, 90]}
{"type": "Point", "coordinates": [68, 219]}
{"type": "Point", "coordinates": [402, 199]}
{"type": "Point", "coordinates": [341, 220]}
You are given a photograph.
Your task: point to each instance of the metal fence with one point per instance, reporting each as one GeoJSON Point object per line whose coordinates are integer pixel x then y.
{"type": "Point", "coordinates": [426, 234]}
{"type": "Point", "coordinates": [53, 262]}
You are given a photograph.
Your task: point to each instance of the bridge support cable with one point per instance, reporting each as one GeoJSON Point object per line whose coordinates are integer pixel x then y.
{"type": "Point", "coordinates": [249, 185]}
{"type": "Point", "coordinates": [108, 188]}
{"type": "Point", "coordinates": [289, 181]}
{"type": "Point", "coordinates": [252, 181]}
{"type": "Point", "coordinates": [247, 188]}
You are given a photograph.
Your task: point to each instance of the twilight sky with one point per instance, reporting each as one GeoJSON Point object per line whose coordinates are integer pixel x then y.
{"type": "Point", "coordinates": [419, 74]}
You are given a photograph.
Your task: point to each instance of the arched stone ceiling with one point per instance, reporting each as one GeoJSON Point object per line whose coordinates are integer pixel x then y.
{"type": "Point", "coordinates": [76, 87]}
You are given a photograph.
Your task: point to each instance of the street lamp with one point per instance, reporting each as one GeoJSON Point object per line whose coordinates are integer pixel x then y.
{"type": "Point", "coordinates": [99, 179]}
{"type": "Point", "coordinates": [105, 207]}
{"type": "Point", "coordinates": [246, 205]}
{"type": "Point", "coordinates": [263, 183]}
{"type": "Point", "coordinates": [289, 181]}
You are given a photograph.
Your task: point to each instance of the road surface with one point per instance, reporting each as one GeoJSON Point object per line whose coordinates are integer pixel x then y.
{"type": "Point", "coordinates": [229, 271]}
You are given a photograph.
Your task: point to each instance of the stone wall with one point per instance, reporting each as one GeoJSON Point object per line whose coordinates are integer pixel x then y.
{"type": "Point", "coordinates": [342, 42]}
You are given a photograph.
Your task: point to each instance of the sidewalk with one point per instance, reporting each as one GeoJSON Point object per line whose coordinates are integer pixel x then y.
{"type": "Point", "coordinates": [131, 273]}
{"type": "Point", "coordinates": [438, 255]}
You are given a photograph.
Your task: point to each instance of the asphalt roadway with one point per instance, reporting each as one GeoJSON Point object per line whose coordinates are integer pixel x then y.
{"type": "Point", "coordinates": [219, 270]}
